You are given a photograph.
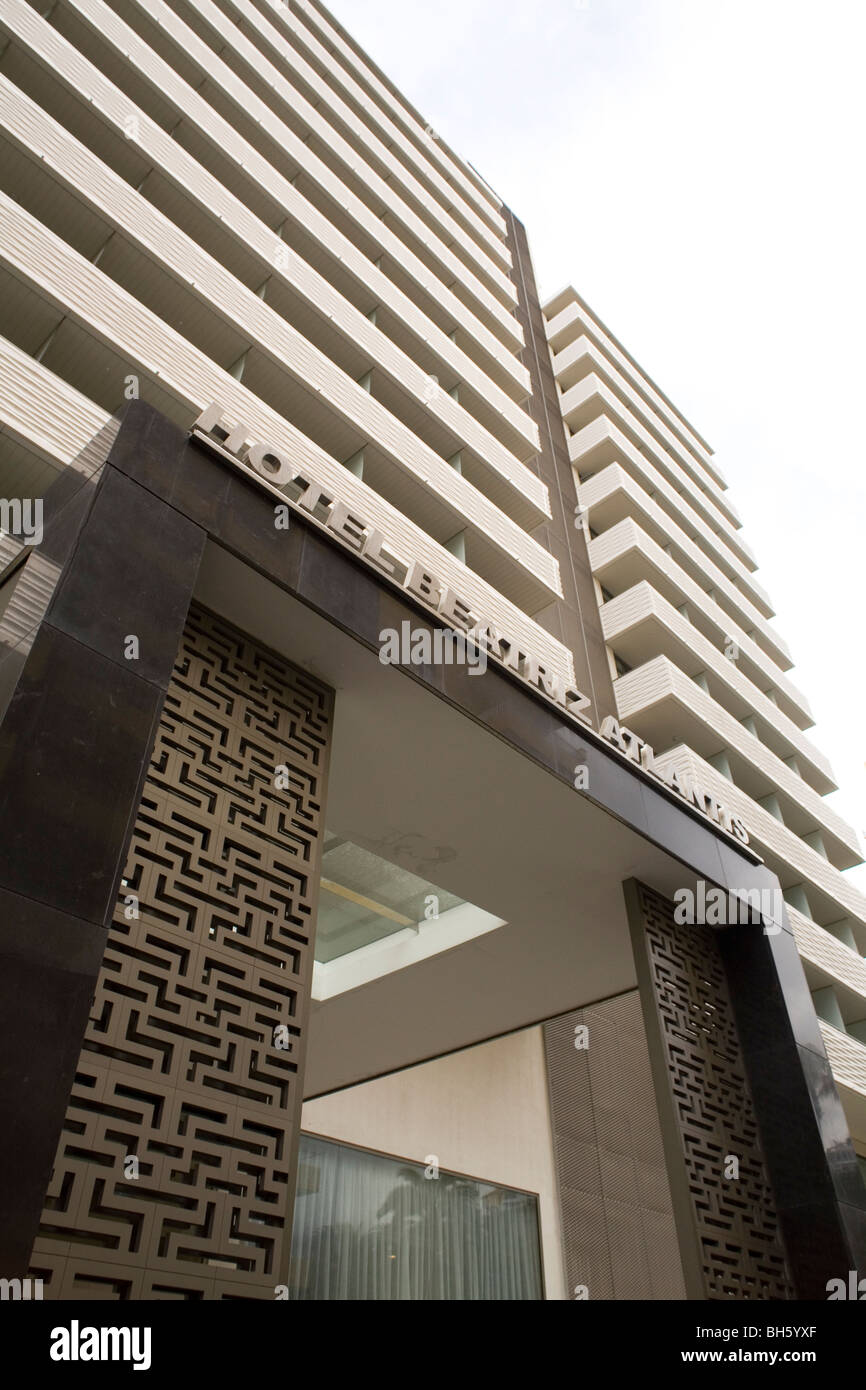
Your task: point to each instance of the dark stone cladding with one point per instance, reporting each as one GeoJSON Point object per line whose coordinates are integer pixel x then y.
{"type": "Point", "coordinates": [574, 619]}
{"type": "Point", "coordinates": [77, 737]}
{"type": "Point", "coordinates": [75, 740]}
{"type": "Point", "coordinates": [818, 1185]}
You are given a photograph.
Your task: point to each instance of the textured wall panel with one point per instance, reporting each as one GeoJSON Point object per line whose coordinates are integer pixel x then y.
{"type": "Point", "coordinates": [846, 1057]}
{"type": "Point", "coordinates": [735, 1218]}
{"type": "Point", "coordinates": [830, 954]}
{"type": "Point", "coordinates": [179, 1067]}
{"type": "Point", "coordinates": [619, 1238]}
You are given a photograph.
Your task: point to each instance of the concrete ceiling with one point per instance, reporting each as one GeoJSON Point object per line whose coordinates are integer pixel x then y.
{"type": "Point", "coordinates": [427, 787]}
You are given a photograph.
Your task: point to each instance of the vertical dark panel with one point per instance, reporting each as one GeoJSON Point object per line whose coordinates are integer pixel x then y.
{"type": "Point", "coordinates": [77, 729]}
{"type": "Point", "coordinates": [209, 956]}
{"type": "Point", "coordinates": [574, 619]}
{"type": "Point", "coordinates": [819, 1189]}
{"type": "Point", "coordinates": [618, 1231]}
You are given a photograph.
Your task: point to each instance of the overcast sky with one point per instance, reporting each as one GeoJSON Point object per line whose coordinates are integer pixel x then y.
{"type": "Point", "coordinates": [695, 169]}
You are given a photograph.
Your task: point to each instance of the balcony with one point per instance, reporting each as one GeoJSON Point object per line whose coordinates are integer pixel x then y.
{"type": "Point", "coordinates": [592, 398]}
{"type": "Point", "coordinates": [44, 423]}
{"type": "Point", "coordinates": [640, 624]}
{"type": "Point", "coordinates": [602, 443]}
{"type": "Point", "coordinates": [386, 97]}
{"type": "Point", "coordinates": [625, 555]}
{"type": "Point", "coordinates": [568, 317]}
{"type": "Point", "coordinates": [668, 709]}
{"type": "Point", "coordinates": [829, 961]}
{"type": "Point", "coordinates": [847, 1059]}
{"type": "Point", "coordinates": [582, 357]}
{"type": "Point", "coordinates": [832, 896]}
{"type": "Point", "coordinates": [612, 496]}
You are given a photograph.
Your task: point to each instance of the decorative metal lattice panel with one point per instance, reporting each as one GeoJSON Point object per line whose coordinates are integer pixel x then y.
{"type": "Point", "coordinates": [175, 1169]}
{"type": "Point", "coordinates": [735, 1217]}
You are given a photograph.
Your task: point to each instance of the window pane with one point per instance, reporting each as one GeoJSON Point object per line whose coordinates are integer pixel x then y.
{"type": "Point", "coordinates": [368, 1227]}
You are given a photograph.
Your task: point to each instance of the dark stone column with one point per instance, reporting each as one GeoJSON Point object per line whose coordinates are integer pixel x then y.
{"type": "Point", "coordinates": [820, 1194]}
{"type": "Point", "coordinates": [75, 740]}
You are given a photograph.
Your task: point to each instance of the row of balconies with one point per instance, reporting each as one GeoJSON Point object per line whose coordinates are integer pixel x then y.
{"type": "Point", "coordinates": [836, 975]}
{"type": "Point", "coordinates": [689, 677]}
{"type": "Point", "coordinates": [640, 625]}
{"type": "Point", "coordinates": [582, 356]}
{"type": "Point", "coordinates": [268, 167]}
{"type": "Point", "coordinates": [98, 334]}
{"type": "Point", "coordinates": [602, 443]}
{"type": "Point", "coordinates": [349, 148]}
{"type": "Point", "coordinates": [152, 258]}
{"type": "Point", "coordinates": [569, 318]}
{"type": "Point", "coordinates": [698, 669]}
{"type": "Point", "coordinates": [293, 37]}
{"type": "Point", "coordinates": [46, 416]}
{"type": "Point", "coordinates": [592, 398]}
{"type": "Point", "coordinates": [245, 243]}
{"type": "Point", "coordinates": [812, 884]}
{"type": "Point", "coordinates": [613, 496]}
{"type": "Point", "coordinates": [625, 555]}
{"type": "Point", "coordinates": [170, 273]}
{"type": "Point", "coordinates": [667, 708]}
{"type": "Point", "coordinates": [381, 95]}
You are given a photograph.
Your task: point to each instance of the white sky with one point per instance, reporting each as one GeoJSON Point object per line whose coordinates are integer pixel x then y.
{"type": "Point", "coordinates": [695, 169]}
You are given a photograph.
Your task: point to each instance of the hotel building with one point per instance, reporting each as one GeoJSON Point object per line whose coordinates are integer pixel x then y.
{"type": "Point", "coordinates": [343, 959]}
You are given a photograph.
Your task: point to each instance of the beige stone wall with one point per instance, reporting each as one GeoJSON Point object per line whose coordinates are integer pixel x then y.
{"type": "Point", "coordinates": [483, 1112]}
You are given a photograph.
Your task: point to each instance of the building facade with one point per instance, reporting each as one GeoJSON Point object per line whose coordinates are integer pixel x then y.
{"type": "Point", "coordinates": [416, 879]}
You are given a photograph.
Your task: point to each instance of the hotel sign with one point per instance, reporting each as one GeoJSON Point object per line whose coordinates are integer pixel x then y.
{"type": "Point", "coordinates": [291, 486]}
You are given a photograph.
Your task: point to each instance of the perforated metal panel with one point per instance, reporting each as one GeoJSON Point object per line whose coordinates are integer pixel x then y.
{"type": "Point", "coordinates": [619, 1239]}
{"type": "Point", "coordinates": [733, 1207]}
{"type": "Point", "coordinates": [180, 1069]}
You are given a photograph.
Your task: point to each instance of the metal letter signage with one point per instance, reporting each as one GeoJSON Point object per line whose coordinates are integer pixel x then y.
{"type": "Point", "coordinates": [271, 467]}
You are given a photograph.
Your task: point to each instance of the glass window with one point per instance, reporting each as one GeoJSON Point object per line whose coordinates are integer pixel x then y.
{"type": "Point", "coordinates": [370, 1227]}
{"type": "Point", "coordinates": [364, 898]}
